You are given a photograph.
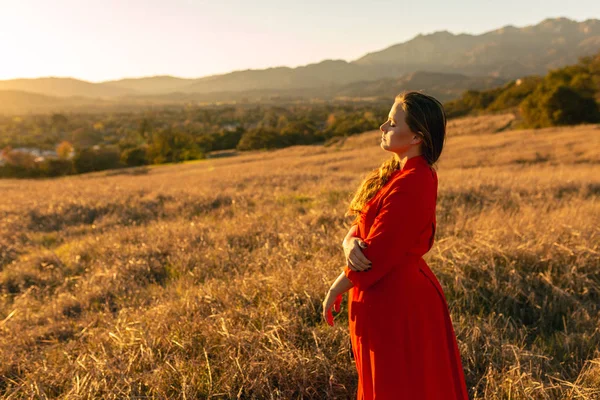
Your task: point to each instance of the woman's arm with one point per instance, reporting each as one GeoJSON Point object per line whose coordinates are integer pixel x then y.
{"type": "Point", "coordinates": [334, 297]}
{"type": "Point", "coordinates": [351, 233]}
{"type": "Point", "coordinates": [341, 285]}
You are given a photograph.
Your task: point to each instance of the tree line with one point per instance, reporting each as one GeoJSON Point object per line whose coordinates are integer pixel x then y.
{"type": "Point", "coordinates": [565, 96]}
{"type": "Point", "coordinates": [91, 142]}
{"type": "Point", "coordinates": [82, 142]}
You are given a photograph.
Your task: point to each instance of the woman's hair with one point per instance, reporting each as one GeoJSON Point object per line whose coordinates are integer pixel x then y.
{"type": "Point", "coordinates": [423, 114]}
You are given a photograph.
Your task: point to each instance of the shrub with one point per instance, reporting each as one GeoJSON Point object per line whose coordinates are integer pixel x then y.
{"type": "Point", "coordinates": [170, 146]}
{"type": "Point", "coordinates": [90, 159]}
{"type": "Point", "coordinates": [513, 93]}
{"type": "Point", "coordinates": [222, 140]}
{"type": "Point", "coordinates": [260, 138]}
{"type": "Point", "coordinates": [56, 167]}
{"type": "Point", "coordinates": [558, 105]}
{"type": "Point", "coordinates": [134, 157]}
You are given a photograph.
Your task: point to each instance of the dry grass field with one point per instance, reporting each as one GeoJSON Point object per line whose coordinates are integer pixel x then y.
{"type": "Point", "coordinates": [205, 279]}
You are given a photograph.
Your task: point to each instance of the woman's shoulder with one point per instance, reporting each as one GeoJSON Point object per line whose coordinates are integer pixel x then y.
{"type": "Point", "coordinates": [414, 187]}
{"type": "Point", "coordinates": [416, 176]}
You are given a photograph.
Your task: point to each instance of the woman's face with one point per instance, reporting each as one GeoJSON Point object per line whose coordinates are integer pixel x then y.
{"type": "Point", "coordinates": [396, 135]}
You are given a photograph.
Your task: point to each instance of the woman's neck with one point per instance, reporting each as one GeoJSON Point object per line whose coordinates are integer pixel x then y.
{"type": "Point", "coordinates": [403, 158]}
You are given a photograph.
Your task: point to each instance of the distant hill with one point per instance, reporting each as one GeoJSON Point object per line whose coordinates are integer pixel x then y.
{"type": "Point", "coordinates": [64, 87]}
{"type": "Point", "coordinates": [328, 72]}
{"type": "Point", "coordinates": [151, 85]}
{"type": "Point", "coordinates": [440, 62]}
{"type": "Point", "coordinates": [443, 86]}
{"type": "Point", "coordinates": [508, 52]}
{"type": "Point", "coordinates": [19, 102]}
{"type": "Point", "coordinates": [14, 102]}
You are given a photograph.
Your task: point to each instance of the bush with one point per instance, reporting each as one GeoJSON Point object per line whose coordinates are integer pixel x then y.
{"type": "Point", "coordinates": [260, 138]}
{"type": "Point", "coordinates": [513, 93]}
{"type": "Point", "coordinates": [17, 171]}
{"type": "Point", "coordinates": [570, 104]}
{"type": "Point", "coordinates": [223, 140]}
{"type": "Point", "coordinates": [558, 105]}
{"type": "Point", "coordinates": [168, 146]}
{"type": "Point", "coordinates": [299, 132]}
{"type": "Point", "coordinates": [471, 100]}
{"type": "Point", "coordinates": [56, 167]}
{"type": "Point", "coordinates": [90, 159]}
{"type": "Point", "coordinates": [134, 157]}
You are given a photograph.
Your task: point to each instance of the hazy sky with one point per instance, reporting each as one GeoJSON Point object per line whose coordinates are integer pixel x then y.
{"type": "Point", "coordinates": [111, 39]}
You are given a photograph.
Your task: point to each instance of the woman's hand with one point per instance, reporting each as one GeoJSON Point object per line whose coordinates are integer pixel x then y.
{"type": "Point", "coordinates": [334, 300]}
{"type": "Point", "coordinates": [355, 259]}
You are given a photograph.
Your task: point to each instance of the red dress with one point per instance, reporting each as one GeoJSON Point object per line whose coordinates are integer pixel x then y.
{"type": "Point", "coordinates": [402, 336]}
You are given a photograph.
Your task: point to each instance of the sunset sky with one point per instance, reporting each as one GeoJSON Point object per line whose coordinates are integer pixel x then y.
{"type": "Point", "coordinates": [112, 39]}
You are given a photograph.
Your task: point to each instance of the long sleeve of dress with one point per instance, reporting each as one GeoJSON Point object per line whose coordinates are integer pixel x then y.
{"type": "Point", "coordinates": [402, 217]}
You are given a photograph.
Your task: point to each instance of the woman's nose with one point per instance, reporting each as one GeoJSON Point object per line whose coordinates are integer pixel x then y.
{"type": "Point", "coordinates": [381, 128]}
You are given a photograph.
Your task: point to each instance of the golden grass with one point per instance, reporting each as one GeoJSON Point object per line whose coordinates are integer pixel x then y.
{"type": "Point", "coordinates": [205, 280]}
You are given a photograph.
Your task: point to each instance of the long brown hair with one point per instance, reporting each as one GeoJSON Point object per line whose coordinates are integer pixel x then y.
{"type": "Point", "coordinates": [425, 115]}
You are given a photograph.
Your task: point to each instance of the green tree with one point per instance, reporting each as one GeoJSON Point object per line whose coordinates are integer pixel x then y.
{"type": "Point", "coordinates": [259, 138]}
{"type": "Point", "coordinates": [227, 139]}
{"type": "Point", "coordinates": [56, 167]}
{"type": "Point", "coordinates": [299, 132]}
{"type": "Point", "coordinates": [134, 157]}
{"type": "Point", "coordinates": [514, 93]}
{"type": "Point", "coordinates": [558, 105]}
{"type": "Point", "coordinates": [90, 159]}
{"type": "Point", "coordinates": [170, 146]}
{"type": "Point", "coordinates": [145, 129]}
{"type": "Point", "coordinates": [58, 120]}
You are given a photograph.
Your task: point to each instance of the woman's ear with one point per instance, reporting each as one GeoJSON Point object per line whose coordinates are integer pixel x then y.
{"type": "Point", "coordinates": [417, 138]}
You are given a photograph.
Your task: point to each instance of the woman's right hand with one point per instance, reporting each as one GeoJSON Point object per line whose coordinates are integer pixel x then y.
{"type": "Point", "coordinates": [355, 259]}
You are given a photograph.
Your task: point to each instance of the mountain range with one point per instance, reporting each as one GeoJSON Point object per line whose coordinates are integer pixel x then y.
{"type": "Point", "coordinates": [441, 63]}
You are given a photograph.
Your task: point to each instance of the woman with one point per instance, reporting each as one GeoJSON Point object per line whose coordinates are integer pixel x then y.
{"type": "Point", "coordinates": [402, 337]}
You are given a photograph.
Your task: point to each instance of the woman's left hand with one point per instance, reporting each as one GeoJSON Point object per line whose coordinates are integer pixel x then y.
{"type": "Point", "coordinates": [331, 300]}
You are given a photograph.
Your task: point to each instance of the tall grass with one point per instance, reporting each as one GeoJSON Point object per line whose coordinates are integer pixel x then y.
{"type": "Point", "coordinates": [205, 280]}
